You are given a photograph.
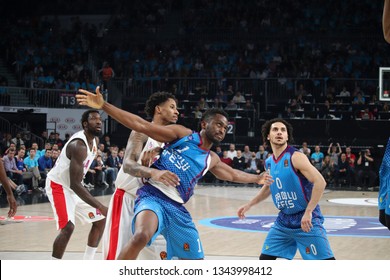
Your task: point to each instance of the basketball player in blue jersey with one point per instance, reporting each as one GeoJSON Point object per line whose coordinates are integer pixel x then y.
{"type": "Point", "coordinates": [296, 191]}
{"type": "Point", "coordinates": [384, 189]}
{"type": "Point", "coordinates": [159, 207]}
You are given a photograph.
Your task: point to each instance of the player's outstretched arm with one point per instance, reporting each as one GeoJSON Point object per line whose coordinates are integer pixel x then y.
{"type": "Point", "coordinates": [132, 121]}
{"type": "Point", "coordinates": [224, 172]}
{"type": "Point", "coordinates": [260, 196]}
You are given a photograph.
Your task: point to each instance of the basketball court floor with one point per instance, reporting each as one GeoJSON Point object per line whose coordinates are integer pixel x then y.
{"type": "Point", "coordinates": [351, 220]}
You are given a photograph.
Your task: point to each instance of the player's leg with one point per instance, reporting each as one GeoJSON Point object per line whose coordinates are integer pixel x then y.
{"type": "Point", "coordinates": [183, 241]}
{"type": "Point", "coordinates": [145, 226]}
{"type": "Point", "coordinates": [314, 245]}
{"type": "Point", "coordinates": [88, 214]}
{"type": "Point", "coordinates": [63, 207]}
{"type": "Point", "coordinates": [62, 240]}
{"type": "Point", "coordinates": [278, 244]}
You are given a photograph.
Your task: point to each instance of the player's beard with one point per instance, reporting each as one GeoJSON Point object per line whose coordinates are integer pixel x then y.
{"type": "Point", "coordinates": [215, 141]}
{"type": "Point", "coordinates": [97, 133]}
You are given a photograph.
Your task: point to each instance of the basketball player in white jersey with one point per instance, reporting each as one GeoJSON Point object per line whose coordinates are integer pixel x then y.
{"type": "Point", "coordinates": [66, 193]}
{"type": "Point", "coordinates": [161, 106]}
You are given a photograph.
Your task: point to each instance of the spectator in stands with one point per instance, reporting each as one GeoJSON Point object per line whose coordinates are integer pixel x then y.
{"type": "Point", "coordinates": [45, 163]}
{"type": "Point", "coordinates": [54, 156]}
{"type": "Point", "coordinates": [231, 106]}
{"type": "Point", "coordinates": [248, 106]}
{"type": "Point", "coordinates": [351, 159]}
{"type": "Point", "coordinates": [7, 140]}
{"type": "Point", "coordinates": [197, 113]}
{"type": "Point", "coordinates": [44, 136]}
{"type": "Point", "coordinates": [359, 99]}
{"type": "Point", "coordinates": [217, 103]}
{"type": "Point", "coordinates": [344, 92]}
{"type": "Point", "coordinates": [18, 140]}
{"type": "Point", "coordinates": [247, 154]}
{"type": "Point", "coordinates": [254, 165]}
{"type": "Point", "coordinates": [121, 155]}
{"type": "Point", "coordinates": [328, 169]}
{"type": "Point", "coordinates": [226, 159]}
{"type": "Point", "coordinates": [343, 172]}
{"type": "Point", "coordinates": [301, 91]}
{"type": "Point", "coordinates": [48, 146]}
{"type": "Point", "coordinates": [106, 141]}
{"type": "Point", "coordinates": [202, 104]}
{"type": "Point", "coordinates": [365, 167]}
{"type": "Point", "coordinates": [218, 151]}
{"type": "Point", "coordinates": [305, 149]}
{"type": "Point", "coordinates": [19, 159]}
{"type": "Point", "coordinates": [239, 161]}
{"type": "Point", "coordinates": [334, 153]}
{"type": "Point", "coordinates": [99, 175]}
{"type": "Point", "coordinates": [103, 153]}
{"type": "Point", "coordinates": [238, 98]}
{"type": "Point", "coordinates": [317, 157]}
{"type": "Point", "coordinates": [31, 163]}
{"type": "Point", "coordinates": [366, 114]}
{"type": "Point", "coordinates": [232, 153]}
{"type": "Point", "coordinates": [58, 140]}
{"type": "Point", "coordinates": [106, 73]}
{"type": "Point", "coordinates": [113, 166]}
{"type": "Point", "coordinates": [289, 114]}
{"type": "Point", "coordinates": [11, 169]}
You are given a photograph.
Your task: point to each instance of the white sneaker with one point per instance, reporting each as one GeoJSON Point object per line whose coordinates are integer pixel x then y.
{"type": "Point", "coordinates": [20, 189]}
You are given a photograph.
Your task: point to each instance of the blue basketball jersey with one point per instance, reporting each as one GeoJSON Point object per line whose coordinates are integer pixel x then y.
{"type": "Point", "coordinates": [290, 191]}
{"type": "Point", "coordinates": [187, 160]}
{"type": "Point", "coordinates": [384, 180]}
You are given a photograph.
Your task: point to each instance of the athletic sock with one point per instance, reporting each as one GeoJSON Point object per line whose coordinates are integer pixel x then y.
{"type": "Point", "coordinates": [89, 253]}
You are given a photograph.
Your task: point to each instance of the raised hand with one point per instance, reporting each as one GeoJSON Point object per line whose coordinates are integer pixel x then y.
{"type": "Point", "coordinates": [90, 99]}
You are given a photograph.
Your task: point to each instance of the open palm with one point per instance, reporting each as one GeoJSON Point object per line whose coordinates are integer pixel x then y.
{"type": "Point", "coordinates": [90, 99]}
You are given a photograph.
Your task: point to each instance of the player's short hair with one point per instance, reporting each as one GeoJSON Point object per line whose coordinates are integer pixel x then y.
{"type": "Point", "coordinates": [156, 99]}
{"type": "Point", "coordinates": [85, 116]}
{"type": "Point", "coordinates": [210, 113]}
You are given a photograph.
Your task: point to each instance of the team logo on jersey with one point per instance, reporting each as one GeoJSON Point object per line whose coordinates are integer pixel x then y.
{"type": "Point", "coordinates": [186, 247]}
{"type": "Point", "coordinates": [98, 212]}
{"type": "Point", "coordinates": [163, 255]}
{"type": "Point", "coordinates": [285, 163]}
{"type": "Point", "coordinates": [307, 250]}
{"type": "Point", "coordinates": [91, 215]}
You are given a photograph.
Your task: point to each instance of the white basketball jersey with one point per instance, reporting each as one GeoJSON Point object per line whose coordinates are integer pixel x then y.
{"type": "Point", "coordinates": [129, 183]}
{"type": "Point", "coordinates": [60, 172]}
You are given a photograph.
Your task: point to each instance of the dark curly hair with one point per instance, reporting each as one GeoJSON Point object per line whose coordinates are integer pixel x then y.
{"type": "Point", "coordinates": [156, 99]}
{"type": "Point", "coordinates": [210, 113]}
{"type": "Point", "coordinates": [266, 128]}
